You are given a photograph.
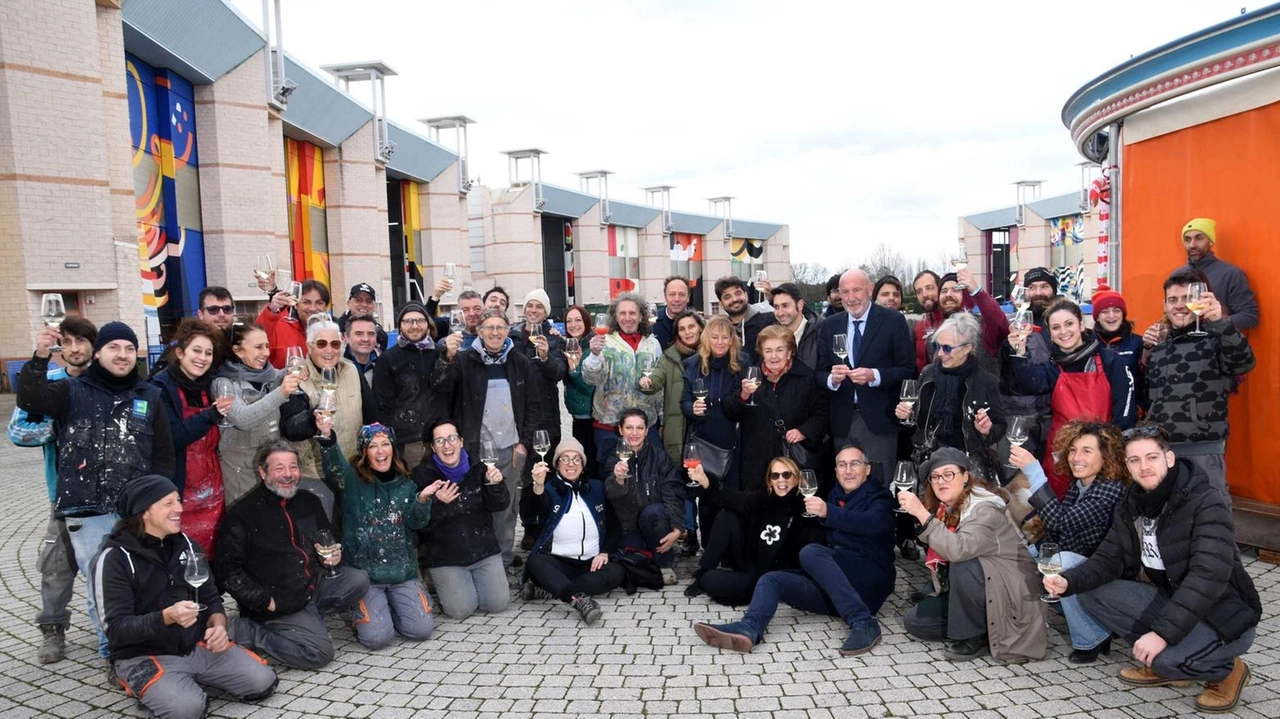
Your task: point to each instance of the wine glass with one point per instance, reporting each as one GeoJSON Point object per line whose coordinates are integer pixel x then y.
{"type": "Point", "coordinates": [904, 480]}
{"type": "Point", "coordinates": [625, 453]}
{"type": "Point", "coordinates": [1050, 564]}
{"type": "Point", "coordinates": [761, 276]}
{"type": "Point", "coordinates": [294, 364]}
{"type": "Point", "coordinates": [457, 322]}
{"type": "Point", "coordinates": [602, 324]}
{"type": "Point", "coordinates": [910, 393]}
{"type": "Point", "coordinates": [542, 444]}
{"type": "Point", "coordinates": [327, 402]}
{"type": "Point", "coordinates": [840, 346]}
{"type": "Point", "coordinates": [489, 453]}
{"type": "Point", "coordinates": [960, 261]}
{"type": "Point", "coordinates": [53, 311]}
{"type": "Point", "coordinates": [329, 378]}
{"type": "Point", "coordinates": [295, 295]}
{"type": "Point", "coordinates": [1018, 296]}
{"type": "Point", "coordinates": [1021, 323]}
{"type": "Point", "coordinates": [1018, 432]}
{"type": "Point", "coordinates": [533, 331]}
{"type": "Point", "coordinates": [648, 364]}
{"type": "Point", "coordinates": [264, 268]}
{"type": "Point", "coordinates": [196, 572]}
{"type": "Point", "coordinates": [326, 547]}
{"type": "Point", "coordinates": [691, 460]}
{"type": "Point", "coordinates": [572, 347]}
{"type": "Point", "coordinates": [450, 276]}
{"type": "Point", "coordinates": [221, 389]}
{"type": "Point", "coordinates": [700, 389]}
{"type": "Point", "coordinates": [808, 487]}
{"type": "Point", "coordinates": [752, 378]}
{"type": "Point", "coordinates": [1196, 304]}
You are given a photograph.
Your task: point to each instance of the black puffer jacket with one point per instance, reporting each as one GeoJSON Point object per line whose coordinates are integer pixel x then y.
{"type": "Point", "coordinates": [653, 480]}
{"type": "Point", "coordinates": [981, 389]}
{"type": "Point", "coordinates": [1198, 547]}
{"type": "Point", "coordinates": [460, 532]}
{"type": "Point", "coordinates": [550, 372]}
{"type": "Point", "coordinates": [265, 551]}
{"type": "Point", "coordinates": [797, 400]}
{"type": "Point", "coordinates": [407, 403]}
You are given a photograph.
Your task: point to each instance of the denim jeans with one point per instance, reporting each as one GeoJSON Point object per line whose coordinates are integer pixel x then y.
{"type": "Point", "coordinates": [831, 582]}
{"type": "Point", "coordinates": [1085, 631]}
{"type": "Point", "coordinates": [651, 526]}
{"type": "Point", "coordinates": [463, 590]}
{"type": "Point", "coordinates": [87, 534]}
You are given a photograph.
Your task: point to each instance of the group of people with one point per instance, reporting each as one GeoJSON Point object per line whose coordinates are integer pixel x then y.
{"type": "Point", "coordinates": [320, 471]}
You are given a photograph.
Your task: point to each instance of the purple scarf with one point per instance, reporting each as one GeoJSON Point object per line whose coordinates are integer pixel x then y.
{"type": "Point", "coordinates": [454, 474]}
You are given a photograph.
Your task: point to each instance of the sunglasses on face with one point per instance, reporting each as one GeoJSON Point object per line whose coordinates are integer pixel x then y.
{"type": "Point", "coordinates": [322, 344]}
{"type": "Point", "coordinates": [220, 309]}
{"type": "Point", "coordinates": [948, 349]}
{"type": "Point", "coordinates": [784, 474]}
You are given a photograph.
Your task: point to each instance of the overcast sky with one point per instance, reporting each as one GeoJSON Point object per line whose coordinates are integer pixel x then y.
{"type": "Point", "coordinates": [851, 122]}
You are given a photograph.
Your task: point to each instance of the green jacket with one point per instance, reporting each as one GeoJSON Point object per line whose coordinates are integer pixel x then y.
{"type": "Point", "coordinates": [578, 394]}
{"type": "Point", "coordinates": [669, 379]}
{"type": "Point", "coordinates": [376, 519]}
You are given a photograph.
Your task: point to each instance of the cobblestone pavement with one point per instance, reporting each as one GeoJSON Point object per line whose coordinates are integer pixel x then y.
{"type": "Point", "coordinates": [643, 659]}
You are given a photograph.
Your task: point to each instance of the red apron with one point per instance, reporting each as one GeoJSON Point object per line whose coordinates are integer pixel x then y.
{"type": "Point", "coordinates": [203, 497]}
{"type": "Point", "coordinates": [1077, 395]}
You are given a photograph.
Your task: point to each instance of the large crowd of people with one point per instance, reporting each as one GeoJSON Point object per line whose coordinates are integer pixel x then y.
{"type": "Point", "coordinates": [305, 466]}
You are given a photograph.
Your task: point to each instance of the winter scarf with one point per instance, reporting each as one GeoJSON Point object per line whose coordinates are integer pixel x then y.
{"type": "Point", "coordinates": [454, 474]}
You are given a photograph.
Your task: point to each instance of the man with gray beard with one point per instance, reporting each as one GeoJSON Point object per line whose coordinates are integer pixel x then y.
{"type": "Point", "coordinates": [269, 561]}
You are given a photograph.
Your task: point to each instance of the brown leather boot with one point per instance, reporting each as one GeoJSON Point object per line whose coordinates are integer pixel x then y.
{"type": "Point", "coordinates": [1219, 697]}
{"type": "Point", "coordinates": [1142, 676]}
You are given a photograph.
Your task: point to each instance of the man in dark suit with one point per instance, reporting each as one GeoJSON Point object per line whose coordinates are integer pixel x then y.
{"type": "Point", "coordinates": [864, 387]}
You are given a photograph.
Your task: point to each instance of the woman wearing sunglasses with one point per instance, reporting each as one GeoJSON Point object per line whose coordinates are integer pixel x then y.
{"type": "Point", "coordinates": [297, 416]}
{"type": "Point", "coordinates": [985, 587]}
{"type": "Point", "coordinates": [1085, 379]}
{"type": "Point", "coordinates": [959, 400]}
{"type": "Point", "coordinates": [763, 531]}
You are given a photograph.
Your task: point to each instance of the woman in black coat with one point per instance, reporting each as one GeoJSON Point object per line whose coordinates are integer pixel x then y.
{"type": "Point", "coordinates": [789, 415]}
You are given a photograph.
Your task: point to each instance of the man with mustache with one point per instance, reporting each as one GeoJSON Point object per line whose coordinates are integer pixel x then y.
{"type": "Point", "coordinates": [952, 293]}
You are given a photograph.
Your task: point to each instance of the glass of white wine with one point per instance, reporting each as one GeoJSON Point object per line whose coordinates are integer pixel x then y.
{"type": "Point", "coordinates": [648, 364]}
{"type": "Point", "coordinates": [457, 322]}
{"type": "Point", "coordinates": [264, 268]}
{"type": "Point", "coordinates": [1018, 296]}
{"type": "Point", "coordinates": [1196, 303]}
{"type": "Point", "coordinates": [904, 480]}
{"type": "Point", "coordinates": [53, 311]}
{"type": "Point", "coordinates": [295, 364]}
{"type": "Point", "coordinates": [327, 547]}
{"type": "Point", "coordinates": [196, 573]}
{"type": "Point", "coordinates": [752, 382]}
{"type": "Point", "coordinates": [1050, 565]}
{"type": "Point", "coordinates": [489, 453]}
{"type": "Point", "coordinates": [840, 346]}
{"type": "Point", "coordinates": [329, 378]}
{"type": "Point", "coordinates": [910, 394]}
{"type": "Point", "coordinates": [1018, 431]}
{"type": "Point", "coordinates": [625, 453]}
{"type": "Point", "coordinates": [222, 388]}
{"type": "Point", "coordinates": [808, 487]}
{"type": "Point", "coordinates": [542, 444]}
{"type": "Point", "coordinates": [573, 347]}
{"type": "Point", "coordinates": [327, 403]}
{"type": "Point", "coordinates": [700, 389]}
{"type": "Point", "coordinates": [960, 261]}
{"type": "Point", "coordinates": [450, 276]}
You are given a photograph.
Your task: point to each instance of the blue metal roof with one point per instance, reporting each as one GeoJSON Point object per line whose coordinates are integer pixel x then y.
{"type": "Point", "coordinates": [995, 219]}
{"type": "Point", "coordinates": [416, 157]}
{"type": "Point", "coordinates": [319, 112]}
{"type": "Point", "coordinates": [1060, 206]}
{"type": "Point", "coordinates": [202, 40]}
{"type": "Point", "coordinates": [565, 202]}
{"type": "Point", "coordinates": [626, 214]}
{"type": "Point", "coordinates": [694, 224]}
{"type": "Point", "coordinates": [754, 230]}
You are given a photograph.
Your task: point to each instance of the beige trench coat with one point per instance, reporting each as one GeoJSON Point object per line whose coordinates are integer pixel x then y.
{"type": "Point", "coordinates": [1015, 614]}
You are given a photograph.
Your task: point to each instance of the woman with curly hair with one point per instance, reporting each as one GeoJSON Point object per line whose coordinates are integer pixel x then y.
{"type": "Point", "coordinates": [1092, 453]}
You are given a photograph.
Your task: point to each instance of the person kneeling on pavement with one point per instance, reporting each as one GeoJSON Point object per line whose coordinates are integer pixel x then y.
{"type": "Point", "coordinates": [851, 578]}
{"type": "Point", "coordinates": [569, 561]}
{"type": "Point", "coordinates": [164, 647]}
{"type": "Point", "coordinates": [381, 506]}
{"type": "Point", "coordinates": [645, 493]}
{"type": "Point", "coordinates": [269, 561]}
{"type": "Point", "coordinates": [1198, 611]}
{"type": "Point", "coordinates": [984, 580]}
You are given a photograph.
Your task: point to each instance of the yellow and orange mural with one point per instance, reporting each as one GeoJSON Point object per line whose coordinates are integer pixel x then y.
{"type": "Point", "coordinates": [308, 231]}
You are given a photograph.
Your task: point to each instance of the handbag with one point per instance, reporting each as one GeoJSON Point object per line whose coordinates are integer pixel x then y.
{"type": "Point", "coordinates": [715, 459]}
{"type": "Point", "coordinates": [798, 453]}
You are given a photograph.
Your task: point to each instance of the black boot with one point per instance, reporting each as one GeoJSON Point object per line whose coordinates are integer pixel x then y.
{"type": "Point", "coordinates": [1089, 656]}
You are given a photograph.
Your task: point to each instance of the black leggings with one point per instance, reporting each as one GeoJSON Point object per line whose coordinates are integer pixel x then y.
{"type": "Point", "coordinates": [726, 570]}
{"type": "Point", "coordinates": [565, 578]}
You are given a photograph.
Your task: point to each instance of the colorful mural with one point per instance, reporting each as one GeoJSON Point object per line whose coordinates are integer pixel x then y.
{"type": "Point", "coordinates": [624, 260]}
{"type": "Point", "coordinates": [686, 261]}
{"type": "Point", "coordinates": [1066, 229]}
{"type": "Point", "coordinates": [308, 232]}
{"type": "Point", "coordinates": [166, 189]}
{"type": "Point", "coordinates": [411, 228]}
{"type": "Point", "coordinates": [570, 291]}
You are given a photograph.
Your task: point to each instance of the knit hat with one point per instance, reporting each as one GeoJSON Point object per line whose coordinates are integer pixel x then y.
{"type": "Point", "coordinates": [112, 331]}
{"type": "Point", "coordinates": [411, 307]}
{"type": "Point", "coordinates": [369, 431]}
{"type": "Point", "coordinates": [1040, 274]}
{"type": "Point", "coordinates": [138, 495]}
{"type": "Point", "coordinates": [941, 458]}
{"type": "Point", "coordinates": [569, 444]}
{"type": "Point", "coordinates": [1204, 224]}
{"type": "Point", "coordinates": [949, 277]}
{"type": "Point", "coordinates": [539, 296]}
{"type": "Point", "coordinates": [1106, 298]}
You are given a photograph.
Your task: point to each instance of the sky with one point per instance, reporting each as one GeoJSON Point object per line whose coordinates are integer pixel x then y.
{"type": "Point", "coordinates": [854, 123]}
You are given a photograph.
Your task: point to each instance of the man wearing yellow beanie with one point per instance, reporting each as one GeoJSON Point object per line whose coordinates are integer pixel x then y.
{"type": "Point", "coordinates": [1227, 282]}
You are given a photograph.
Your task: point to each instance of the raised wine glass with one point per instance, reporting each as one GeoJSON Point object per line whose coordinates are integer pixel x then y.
{"type": "Point", "coordinates": [450, 276]}
{"type": "Point", "coordinates": [541, 444]}
{"type": "Point", "coordinates": [327, 547]}
{"type": "Point", "coordinates": [1018, 431]}
{"type": "Point", "coordinates": [625, 453]}
{"type": "Point", "coordinates": [752, 378]}
{"type": "Point", "coordinates": [572, 347]}
{"type": "Point", "coordinates": [1050, 564]}
{"type": "Point", "coordinates": [295, 364]}
{"type": "Point", "coordinates": [692, 460]}
{"type": "Point", "coordinates": [221, 389]}
{"type": "Point", "coordinates": [840, 346]}
{"type": "Point", "coordinates": [910, 393]}
{"type": "Point", "coordinates": [264, 268]}
{"type": "Point", "coordinates": [700, 389]}
{"type": "Point", "coordinates": [457, 322]}
{"type": "Point", "coordinates": [808, 487]}
{"type": "Point", "coordinates": [602, 324]}
{"type": "Point", "coordinates": [1018, 296]}
{"type": "Point", "coordinates": [904, 480]}
{"type": "Point", "coordinates": [489, 453]}
{"type": "Point", "coordinates": [960, 261]}
{"type": "Point", "coordinates": [53, 311]}
{"type": "Point", "coordinates": [761, 276]}
{"type": "Point", "coordinates": [1195, 303]}
{"type": "Point", "coordinates": [648, 364]}
{"type": "Point", "coordinates": [196, 572]}
{"type": "Point", "coordinates": [329, 378]}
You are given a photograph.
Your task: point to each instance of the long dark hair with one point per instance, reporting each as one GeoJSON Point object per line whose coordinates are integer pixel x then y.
{"type": "Point", "coordinates": [586, 320]}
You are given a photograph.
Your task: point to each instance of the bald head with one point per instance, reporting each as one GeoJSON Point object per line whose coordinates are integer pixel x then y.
{"type": "Point", "coordinates": [855, 291]}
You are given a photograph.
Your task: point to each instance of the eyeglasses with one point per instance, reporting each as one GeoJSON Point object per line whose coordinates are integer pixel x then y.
{"type": "Point", "coordinates": [447, 439]}
{"type": "Point", "coordinates": [572, 460]}
{"type": "Point", "coordinates": [948, 349]}
{"type": "Point", "coordinates": [851, 464]}
{"type": "Point", "coordinates": [943, 477]}
{"type": "Point", "coordinates": [1149, 431]}
{"type": "Point", "coordinates": [413, 322]}
{"type": "Point", "coordinates": [494, 328]}
{"type": "Point", "coordinates": [220, 309]}
{"type": "Point", "coordinates": [321, 344]}
{"type": "Point", "coordinates": [784, 474]}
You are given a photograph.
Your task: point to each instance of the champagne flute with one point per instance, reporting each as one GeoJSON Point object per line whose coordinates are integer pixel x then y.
{"type": "Point", "coordinates": [221, 389]}
{"type": "Point", "coordinates": [1196, 304]}
{"type": "Point", "coordinates": [489, 453]}
{"type": "Point", "coordinates": [692, 460]}
{"type": "Point", "coordinates": [1050, 564]}
{"type": "Point", "coordinates": [910, 393]}
{"type": "Point", "coordinates": [625, 453]}
{"type": "Point", "coordinates": [753, 379]}
{"type": "Point", "coordinates": [450, 276]}
{"type": "Point", "coordinates": [457, 322]}
{"type": "Point", "coordinates": [840, 346]}
{"type": "Point", "coordinates": [648, 364]}
{"type": "Point", "coordinates": [1018, 431]}
{"type": "Point", "coordinates": [761, 276]}
{"type": "Point", "coordinates": [808, 487]}
{"type": "Point", "coordinates": [295, 364]}
{"type": "Point", "coordinates": [602, 324]}
{"type": "Point", "coordinates": [960, 261]}
{"type": "Point", "coordinates": [196, 572]}
{"type": "Point", "coordinates": [542, 444]}
{"type": "Point", "coordinates": [53, 311]}
{"type": "Point", "coordinates": [1018, 296]}
{"type": "Point", "coordinates": [327, 403]}
{"type": "Point", "coordinates": [327, 547]}
{"type": "Point", "coordinates": [904, 480]}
